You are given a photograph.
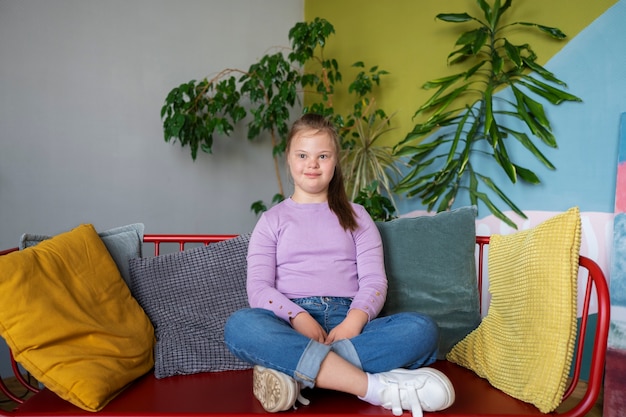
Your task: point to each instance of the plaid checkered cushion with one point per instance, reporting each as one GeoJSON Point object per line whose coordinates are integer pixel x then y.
{"type": "Point", "coordinates": [188, 296]}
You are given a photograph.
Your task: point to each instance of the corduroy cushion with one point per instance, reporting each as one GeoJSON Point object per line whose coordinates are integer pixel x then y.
{"type": "Point", "coordinates": [188, 296]}
{"type": "Point", "coordinates": [70, 319]}
{"type": "Point", "coordinates": [123, 243]}
{"type": "Point", "coordinates": [524, 346]}
{"type": "Point", "coordinates": [431, 268]}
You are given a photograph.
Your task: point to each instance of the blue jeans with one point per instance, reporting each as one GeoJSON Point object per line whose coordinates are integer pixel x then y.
{"type": "Point", "coordinates": [403, 340]}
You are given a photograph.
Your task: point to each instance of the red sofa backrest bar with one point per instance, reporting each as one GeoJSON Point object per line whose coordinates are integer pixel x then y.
{"type": "Point", "coordinates": [182, 240]}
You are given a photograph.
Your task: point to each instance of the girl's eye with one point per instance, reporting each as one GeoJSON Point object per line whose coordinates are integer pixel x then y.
{"type": "Point", "coordinates": [301, 156]}
{"type": "Point", "coordinates": [323, 156]}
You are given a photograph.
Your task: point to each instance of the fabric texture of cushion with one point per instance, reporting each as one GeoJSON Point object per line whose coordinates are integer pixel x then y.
{"type": "Point", "coordinates": [70, 319]}
{"type": "Point", "coordinates": [431, 268]}
{"type": "Point", "coordinates": [123, 243]}
{"type": "Point", "coordinates": [524, 346]}
{"type": "Point", "coordinates": [188, 296]}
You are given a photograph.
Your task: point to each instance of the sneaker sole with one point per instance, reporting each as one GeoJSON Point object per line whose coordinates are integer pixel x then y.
{"type": "Point", "coordinates": [274, 390]}
{"type": "Point", "coordinates": [439, 376]}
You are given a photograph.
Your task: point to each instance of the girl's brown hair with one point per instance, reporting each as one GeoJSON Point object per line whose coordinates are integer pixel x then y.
{"type": "Point", "coordinates": [337, 198]}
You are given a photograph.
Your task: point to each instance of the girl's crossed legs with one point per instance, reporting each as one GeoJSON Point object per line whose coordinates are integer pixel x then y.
{"type": "Point", "coordinates": [404, 340]}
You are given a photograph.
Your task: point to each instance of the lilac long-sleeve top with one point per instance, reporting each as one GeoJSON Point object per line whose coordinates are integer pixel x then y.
{"type": "Point", "coordinates": [301, 250]}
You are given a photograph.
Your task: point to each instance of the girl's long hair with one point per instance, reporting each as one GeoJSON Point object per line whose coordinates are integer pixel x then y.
{"type": "Point", "coordinates": [338, 200]}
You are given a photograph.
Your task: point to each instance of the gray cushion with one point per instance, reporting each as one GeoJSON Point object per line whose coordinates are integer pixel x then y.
{"type": "Point", "coordinates": [188, 296]}
{"type": "Point", "coordinates": [123, 243]}
{"type": "Point", "coordinates": [431, 269]}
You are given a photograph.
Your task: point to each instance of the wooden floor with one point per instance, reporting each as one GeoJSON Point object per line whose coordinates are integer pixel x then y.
{"type": "Point", "coordinates": [17, 389]}
{"type": "Point", "coordinates": [596, 411]}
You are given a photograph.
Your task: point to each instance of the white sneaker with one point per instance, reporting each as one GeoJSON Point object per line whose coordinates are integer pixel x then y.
{"type": "Point", "coordinates": [415, 390]}
{"type": "Point", "coordinates": [275, 390]}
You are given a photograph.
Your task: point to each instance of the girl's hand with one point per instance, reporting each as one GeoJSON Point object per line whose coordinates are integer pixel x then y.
{"type": "Point", "coordinates": [305, 324]}
{"type": "Point", "coordinates": [350, 327]}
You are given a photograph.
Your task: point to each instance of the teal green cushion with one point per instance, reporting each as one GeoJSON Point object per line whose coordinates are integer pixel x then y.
{"type": "Point", "coordinates": [431, 269]}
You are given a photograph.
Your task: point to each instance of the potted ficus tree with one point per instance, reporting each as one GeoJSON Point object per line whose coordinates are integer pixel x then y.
{"type": "Point", "coordinates": [464, 116]}
{"type": "Point", "coordinates": [264, 98]}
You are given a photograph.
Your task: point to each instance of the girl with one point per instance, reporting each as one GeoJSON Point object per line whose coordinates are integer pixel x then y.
{"type": "Point", "coordinates": [316, 283]}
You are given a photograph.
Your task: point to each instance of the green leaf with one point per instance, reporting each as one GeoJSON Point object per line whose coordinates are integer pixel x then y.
{"type": "Point", "coordinates": [465, 52]}
{"type": "Point", "coordinates": [277, 198]}
{"type": "Point", "coordinates": [445, 81]}
{"type": "Point", "coordinates": [505, 6]}
{"type": "Point", "coordinates": [501, 156]}
{"type": "Point", "coordinates": [469, 73]}
{"type": "Point", "coordinates": [258, 207]}
{"type": "Point", "coordinates": [512, 52]}
{"type": "Point", "coordinates": [443, 102]}
{"type": "Point", "coordinates": [457, 138]}
{"type": "Point", "coordinates": [528, 144]}
{"type": "Point", "coordinates": [489, 183]}
{"type": "Point", "coordinates": [544, 73]}
{"type": "Point", "coordinates": [492, 208]}
{"type": "Point", "coordinates": [534, 108]}
{"type": "Point", "coordinates": [207, 147]}
{"type": "Point", "coordinates": [454, 17]}
{"type": "Point", "coordinates": [527, 175]}
{"type": "Point", "coordinates": [413, 179]}
{"type": "Point", "coordinates": [420, 130]}
{"type": "Point", "coordinates": [552, 94]}
{"type": "Point", "coordinates": [473, 187]}
{"type": "Point", "coordinates": [497, 62]}
{"type": "Point", "coordinates": [495, 14]}
{"type": "Point", "coordinates": [535, 125]}
{"type": "Point", "coordinates": [447, 200]}
{"type": "Point", "coordinates": [553, 32]}
{"type": "Point", "coordinates": [488, 115]}
{"type": "Point", "coordinates": [474, 40]}
{"type": "Point", "coordinates": [480, 41]}
{"type": "Point", "coordinates": [467, 38]}
{"type": "Point", "coordinates": [498, 10]}
{"type": "Point", "coordinates": [486, 10]}
{"type": "Point", "coordinates": [417, 150]}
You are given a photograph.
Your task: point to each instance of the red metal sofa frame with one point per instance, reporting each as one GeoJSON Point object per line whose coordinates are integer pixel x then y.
{"type": "Point", "coordinates": [230, 393]}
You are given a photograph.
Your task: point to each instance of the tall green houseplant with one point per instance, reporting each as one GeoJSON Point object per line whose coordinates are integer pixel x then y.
{"type": "Point", "coordinates": [265, 96]}
{"type": "Point", "coordinates": [464, 116]}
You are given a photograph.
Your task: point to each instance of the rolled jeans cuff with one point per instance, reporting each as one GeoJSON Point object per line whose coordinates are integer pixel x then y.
{"type": "Point", "coordinates": [346, 350]}
{"type": "Point", "coordinates": [310, 362]}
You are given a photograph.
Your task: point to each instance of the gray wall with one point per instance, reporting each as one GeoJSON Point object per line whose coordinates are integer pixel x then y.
{"type": "Point", "coordinates": [82, 83]}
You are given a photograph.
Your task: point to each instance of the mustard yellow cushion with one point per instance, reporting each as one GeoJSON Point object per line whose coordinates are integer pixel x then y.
{"type": "Point", "coordinates": [70, 319]}
{"type": "Point", "coordinates": [524, 346]}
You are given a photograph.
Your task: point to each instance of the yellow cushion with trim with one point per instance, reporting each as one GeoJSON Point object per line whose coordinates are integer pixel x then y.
{"type": "Point", "coordinates": [525, 344]}
{"type": "Point", "coordinates": [70, 319]}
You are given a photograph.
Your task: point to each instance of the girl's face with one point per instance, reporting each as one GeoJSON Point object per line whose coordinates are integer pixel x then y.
{"type": "Point", "coordinates": [312, 158]}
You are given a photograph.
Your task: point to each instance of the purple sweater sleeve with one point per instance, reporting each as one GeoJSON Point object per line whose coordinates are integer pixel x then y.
{"type": "Point", "coordinates": [370, 265]}
{"type": "Point", "coordinates": [261, 283]}
{"type": "Point", "coordinates": [300, 250]}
